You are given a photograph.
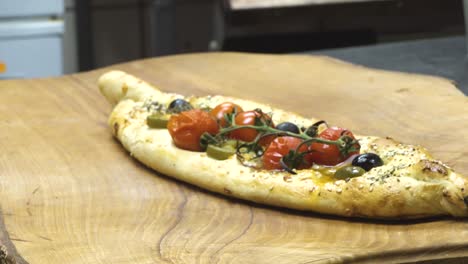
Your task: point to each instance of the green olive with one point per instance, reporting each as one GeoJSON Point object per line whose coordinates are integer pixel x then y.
{"type": "Point", "coordinates": [230, 143]}
{"type": "Point", "coordinates": [220, 153]}
{"type": "Point", "coordinates": [349, 172]}
{"type": "Point", "coordinates": [157, 121]}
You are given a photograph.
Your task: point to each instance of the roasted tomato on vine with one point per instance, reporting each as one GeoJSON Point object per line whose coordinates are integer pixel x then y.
{"type": "Point", "coordinates": [327, 154]}
{"type": "Point", "coordinates": [250, 118]}
{"type": "Point", "coordinates": [223, 109]}
{"type": "Point", "coordinates": [187, 127]}
{"type": "Point", "coordinates": [281, 147]}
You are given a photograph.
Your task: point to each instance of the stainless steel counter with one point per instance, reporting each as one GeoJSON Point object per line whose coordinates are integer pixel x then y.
{"type": "Point", "coordinates": [445, 57]}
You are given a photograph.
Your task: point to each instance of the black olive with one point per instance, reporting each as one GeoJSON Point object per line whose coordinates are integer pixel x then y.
{"type": "Point", "coordinates": [288, 126]}
{"type": "Point", "coordinates": [367, 161]}
{"type": "Point", "coordinates": [313, 129]}
{"type": "Point", "coordinates": [179, 105]}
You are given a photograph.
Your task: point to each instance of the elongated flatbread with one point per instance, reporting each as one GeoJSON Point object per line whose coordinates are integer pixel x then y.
{"type": "Point", "coordinates": [410, 184]}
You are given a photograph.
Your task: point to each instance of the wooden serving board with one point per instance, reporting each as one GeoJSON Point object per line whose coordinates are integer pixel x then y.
{"type": "Point", "coordinates": [69, 193]}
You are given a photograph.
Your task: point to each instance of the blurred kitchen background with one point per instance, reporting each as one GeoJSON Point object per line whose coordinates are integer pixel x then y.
{"type": "Point", "coordinates": [55, 37]}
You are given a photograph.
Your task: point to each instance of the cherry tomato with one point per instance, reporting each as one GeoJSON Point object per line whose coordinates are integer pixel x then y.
{"type": "Point", "coordinates": [225, 108]}
{"type": "Point", "coordinates": [248, 118]}
{"type": "Point", "coordinates": [325, 154]}
{"type": "Point", "coordinates": [266, 140]}
{"type": "Point", "coordinates": [187, 127]}
{"type": "Point", "coordinates": [279, 148]}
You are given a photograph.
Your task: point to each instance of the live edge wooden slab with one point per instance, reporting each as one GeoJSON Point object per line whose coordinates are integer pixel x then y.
{"type": "Point", "coordinates": [69, 193]}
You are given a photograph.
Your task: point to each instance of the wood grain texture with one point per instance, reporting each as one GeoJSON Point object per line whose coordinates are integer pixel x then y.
{"type": "Point", "coordinates": [69, 193]}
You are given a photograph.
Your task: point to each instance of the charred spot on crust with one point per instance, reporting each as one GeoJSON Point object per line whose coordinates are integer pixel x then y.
{"type": "Point", "coordinates": [227, 191]}
{"type": "Point", "coordinates": [116, 128]}
{"type": "Point", "coordinates": [445, 193]}
{"type": "Point", "coordinates": [124, 89]}
{"type": "Point", "coordinates": [433, 166]}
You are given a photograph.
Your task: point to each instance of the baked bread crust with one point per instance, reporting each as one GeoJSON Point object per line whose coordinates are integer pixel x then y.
{"type": "Point", "coordinates": [410, 184]}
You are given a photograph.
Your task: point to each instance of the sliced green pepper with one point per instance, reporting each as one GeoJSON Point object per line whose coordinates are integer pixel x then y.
{"type": "Point", "coordinates": [349, 172]}
{"type": "Point", "coordinates": [220, 153]}
{"type": "Point", "coordinates": [157, 121]}
{"type": "Point", "coordinates": [230, 143]}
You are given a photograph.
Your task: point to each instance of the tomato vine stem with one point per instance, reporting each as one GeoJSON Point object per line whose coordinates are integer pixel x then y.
{"type": "Point", "coordinates": [272, 131]}
{"type": "Point", "coordinates": [345, 143]}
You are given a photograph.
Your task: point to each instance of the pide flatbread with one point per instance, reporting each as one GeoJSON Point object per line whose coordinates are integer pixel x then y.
{"type": "Point", "coordinates": [409, 183]}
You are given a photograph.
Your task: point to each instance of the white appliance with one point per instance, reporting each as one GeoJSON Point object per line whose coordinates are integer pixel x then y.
{"type": "Point", "coordinates": [31, 36]}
